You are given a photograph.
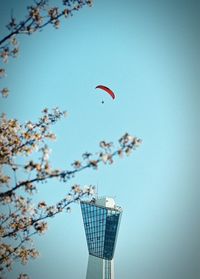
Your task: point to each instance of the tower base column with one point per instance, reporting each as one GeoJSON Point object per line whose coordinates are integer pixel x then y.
{"type": "Point", "coordinates": [99, 268]}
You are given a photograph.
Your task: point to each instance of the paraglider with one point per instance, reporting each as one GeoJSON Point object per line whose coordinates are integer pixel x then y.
{"type": "Point", "coordinates": [106, 89]}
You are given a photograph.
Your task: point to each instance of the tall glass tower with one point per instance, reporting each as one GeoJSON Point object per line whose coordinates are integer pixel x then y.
{"type": "Point", "coordinates": [101, 219]}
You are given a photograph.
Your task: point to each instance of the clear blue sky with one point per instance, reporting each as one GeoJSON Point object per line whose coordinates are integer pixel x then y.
{"type": "Point", "coordinates": [148, 53]}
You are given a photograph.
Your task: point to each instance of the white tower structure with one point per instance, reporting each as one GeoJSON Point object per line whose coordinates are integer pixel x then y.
{"type": "Point", "coordinates": [101, 220]}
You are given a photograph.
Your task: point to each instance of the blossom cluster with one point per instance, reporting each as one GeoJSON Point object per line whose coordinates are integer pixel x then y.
{"type": "Point", "coordinates": [39, 15]}
{"type": "Point", "coordinates": [21, 219]}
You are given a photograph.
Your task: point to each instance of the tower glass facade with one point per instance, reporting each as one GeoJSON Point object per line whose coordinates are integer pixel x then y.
{"type": "Point", "coordinates": [101, 222]}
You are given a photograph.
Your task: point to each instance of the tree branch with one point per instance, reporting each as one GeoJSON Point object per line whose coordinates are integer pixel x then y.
{"type": "Point", "coordinates": [47, 215]}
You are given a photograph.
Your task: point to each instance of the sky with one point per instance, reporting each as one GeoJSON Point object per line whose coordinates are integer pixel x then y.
{"type": "Point", "coordinates": [148, 53]}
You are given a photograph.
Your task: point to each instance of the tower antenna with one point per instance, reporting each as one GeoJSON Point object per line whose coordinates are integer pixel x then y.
{"type": "Point", "coordinates": [97, 190]}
